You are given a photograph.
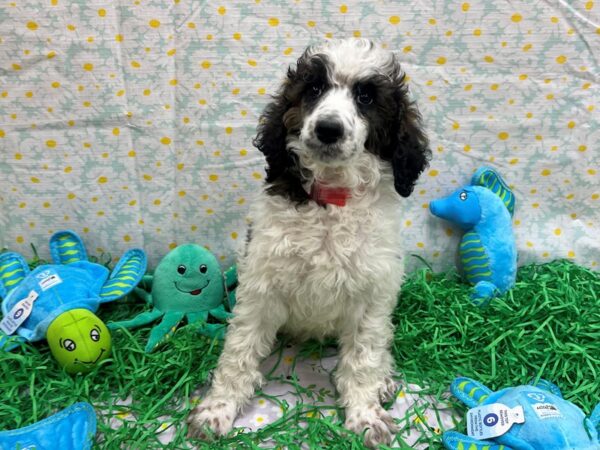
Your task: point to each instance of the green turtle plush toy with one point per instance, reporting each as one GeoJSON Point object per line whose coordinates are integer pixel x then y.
{"type": "Point", "coordinates": [187, 283]}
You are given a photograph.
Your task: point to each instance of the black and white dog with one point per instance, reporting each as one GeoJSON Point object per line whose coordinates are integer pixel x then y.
{"type": "Point", "coordinates": [343, 144]}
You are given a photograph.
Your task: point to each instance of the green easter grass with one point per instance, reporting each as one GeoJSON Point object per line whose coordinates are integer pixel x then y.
{"type": "Point", "coordinates": [548, 326]}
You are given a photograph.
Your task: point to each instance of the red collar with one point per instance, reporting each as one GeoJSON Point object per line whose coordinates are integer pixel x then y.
{"type": "Point", "coordinates": [324, 194]}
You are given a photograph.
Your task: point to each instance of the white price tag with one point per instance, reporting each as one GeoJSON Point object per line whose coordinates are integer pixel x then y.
{"type": "Point", "coordinates": [492, 420]}
{"type": "Point", "coordinates": [18, 314]}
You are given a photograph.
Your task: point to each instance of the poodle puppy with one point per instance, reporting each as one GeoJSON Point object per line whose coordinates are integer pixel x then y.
{"type": "Point", "coordinates": [343, 145]}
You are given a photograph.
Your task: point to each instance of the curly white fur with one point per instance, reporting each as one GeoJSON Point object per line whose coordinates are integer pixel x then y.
{"type": "Point", "coordinates": [313, 271]}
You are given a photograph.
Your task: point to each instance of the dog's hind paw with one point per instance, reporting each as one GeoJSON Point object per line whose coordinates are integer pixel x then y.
{"type": "Point", "coordinates": [213, 417]}
{"type": "Point", "coordinates": [378, 423]}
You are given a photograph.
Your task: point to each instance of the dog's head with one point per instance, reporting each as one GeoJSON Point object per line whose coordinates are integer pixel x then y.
{"type": "Point", "coordinates": [342, 99]}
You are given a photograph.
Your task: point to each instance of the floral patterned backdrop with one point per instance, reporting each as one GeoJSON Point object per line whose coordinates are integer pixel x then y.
{"type": "Point", "coordinates": [131, 121]}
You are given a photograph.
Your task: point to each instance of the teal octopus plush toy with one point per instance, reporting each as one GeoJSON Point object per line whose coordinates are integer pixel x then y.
{"type": "Point", "coordinates": [488, 251]}
{"type": "Point", "coordinates": [543, 419]}
{"type": "Point", "coordinates": [187, 283]}
{"type": "Point", "coordinates": [58, 301]}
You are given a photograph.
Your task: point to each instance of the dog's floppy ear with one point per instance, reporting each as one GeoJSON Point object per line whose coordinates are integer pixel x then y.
{"type": "Point", "coordinates": [411, 154]}
{"type": "Point", "coordinates": [279, 118]}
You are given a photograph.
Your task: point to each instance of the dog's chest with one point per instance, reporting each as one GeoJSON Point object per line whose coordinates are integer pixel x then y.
{"type": "Point", "coordinates": [322, 262]}
{"type": "Point", "coordinates": [323, 237]}
{"type": "Point", "coordinates": [312, 248]}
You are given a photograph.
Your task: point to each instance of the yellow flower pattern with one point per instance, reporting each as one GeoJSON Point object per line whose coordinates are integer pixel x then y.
{"type": "Point", "coordinates": [132, 124]}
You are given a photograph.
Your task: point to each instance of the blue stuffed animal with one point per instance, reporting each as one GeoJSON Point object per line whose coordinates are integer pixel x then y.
{"type": "Point", "coordinates": [72, 428]}
{"type": "Point", "coordinates": [550, 422]}
{"type": "Point", "coordinates": [58, 301]}
{"type": "Point", "coordinates": [488, 251]}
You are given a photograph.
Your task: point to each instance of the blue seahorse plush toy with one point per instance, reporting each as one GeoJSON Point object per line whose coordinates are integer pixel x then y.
{"type": "Point", "coordinates": [522, 418]}
{"type": "Point", "coordinates": [488, 252]}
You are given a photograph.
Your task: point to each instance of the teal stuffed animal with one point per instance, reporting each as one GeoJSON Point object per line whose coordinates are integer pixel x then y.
{"type": "Point", "coordinates": [545, 421]}
{"type": "Point", "coordinates": [187, 283]}
{"type": "Point", "coordinates": [58, 301]}
{"type": "Point", "coordinates": [488, 251]}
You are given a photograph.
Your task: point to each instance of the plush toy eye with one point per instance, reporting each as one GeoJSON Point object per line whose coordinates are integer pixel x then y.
{"type": "Point", "coordinates": [69, 345]}
{"type": "Point", "coordinates": [181, 269]}
{"type": "Point", "coordinates": [95, 335]}
{"type": "Point", "coordinates": [203, 268]}
{"type": "Point", "coordinates": [463, 195]}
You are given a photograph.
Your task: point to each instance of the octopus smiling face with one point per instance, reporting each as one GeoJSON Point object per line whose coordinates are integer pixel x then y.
{"type": "Point", "coordinates": [188, 279]}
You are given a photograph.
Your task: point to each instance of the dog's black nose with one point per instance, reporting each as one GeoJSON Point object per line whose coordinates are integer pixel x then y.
{"type": "Point", "coordinates": [329, 131]}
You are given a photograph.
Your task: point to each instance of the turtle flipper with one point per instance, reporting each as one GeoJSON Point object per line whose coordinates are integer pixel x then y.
{"type": "Point", "coordinates": [13, 269]}
{"type": "Point", "coordinates": [489, 178]}
{"type": "Point", "coordinates": [125, 276]}
{"type": "Point", "coordinates": [66, 247]}
{"type": "Point", "coordinates": [470, 392]}
{"type": "Point", "coordinates": [456, 441]}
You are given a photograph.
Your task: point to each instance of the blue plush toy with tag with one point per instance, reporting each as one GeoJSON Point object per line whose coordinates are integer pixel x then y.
{"type": "Point", "coordinates": [488, 251]}
{"type": "Point", "coordinates": [522, 418]}
{"type": "Point", "coordinates": [58, 301]}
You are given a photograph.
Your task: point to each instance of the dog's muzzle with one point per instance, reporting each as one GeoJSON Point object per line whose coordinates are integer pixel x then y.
{"type": "Point", "coordinates": [329, 130]}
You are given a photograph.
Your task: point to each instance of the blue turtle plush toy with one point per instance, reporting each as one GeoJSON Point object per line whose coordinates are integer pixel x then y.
{"type": "Point", "coordinates": [58, 301]}
{"type": "Point", "coordinates": [488, 251]}
{"type": "Point", "coordinates": [546, 421]}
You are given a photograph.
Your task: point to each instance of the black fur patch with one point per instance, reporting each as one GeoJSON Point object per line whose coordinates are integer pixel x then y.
{"type": "Point", "coordinates": [284, 175]}
{"type": "Point", "coordinates": [396, 133]}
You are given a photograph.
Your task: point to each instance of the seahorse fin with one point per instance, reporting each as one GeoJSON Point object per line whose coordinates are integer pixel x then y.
{"type": "Point", "coordinates": [489, 178]}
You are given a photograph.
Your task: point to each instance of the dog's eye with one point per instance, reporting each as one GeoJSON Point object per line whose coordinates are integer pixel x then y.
{"type": "Point", "coordinates": [365, 94]}
{"type": "Point", "coordinates": [463, 195]}
{"type": "Point", "coordinates": [364, 98]}
{"type": "Point", "coordinates": [315, 90]}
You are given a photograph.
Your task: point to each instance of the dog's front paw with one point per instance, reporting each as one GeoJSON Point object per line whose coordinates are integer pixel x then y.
{"type": "Point", "coordinates": [212, 417]}
{"type": "Point", "coordinates": [387, 392]}
{"type": "Point", "coordinates": [377, 422]}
